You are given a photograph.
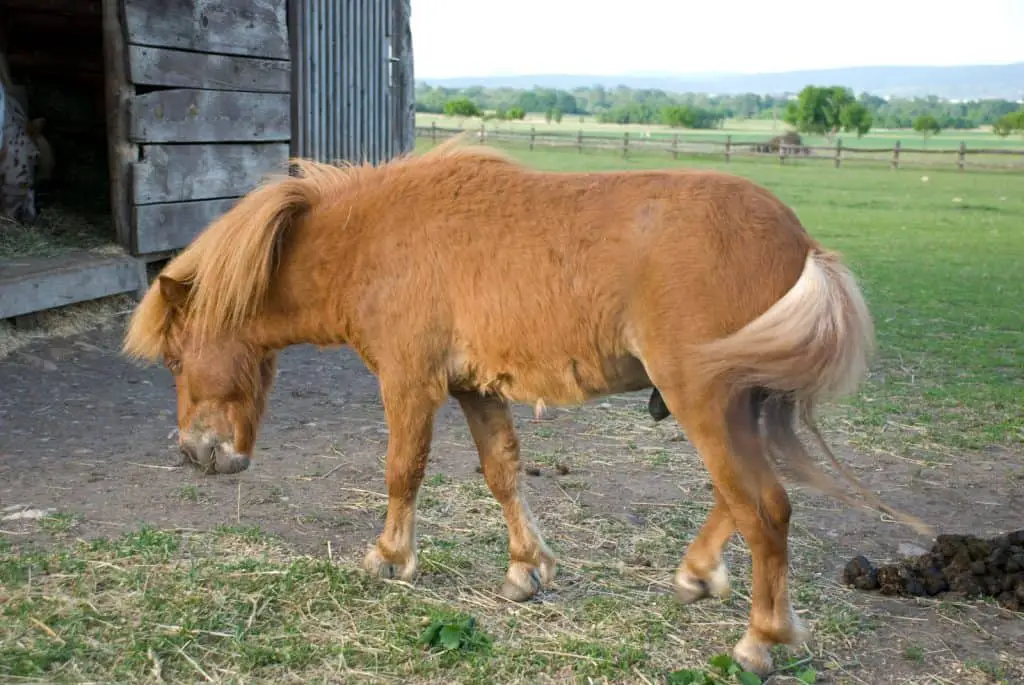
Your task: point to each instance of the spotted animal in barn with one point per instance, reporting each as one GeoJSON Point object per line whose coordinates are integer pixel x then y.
{"type": "Point", "coordinates": [25, 154]}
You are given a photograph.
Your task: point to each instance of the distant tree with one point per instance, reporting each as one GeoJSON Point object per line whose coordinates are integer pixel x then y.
{"type": "Point", "coordinates": [686, 116]}
{"type": "Point", "coordinates": [827, 110]}
{"type": "Point", "coordinates": [556, 115]}
{"type": "Point", "coordinates": [648, 105]}
{"type": "Point", "coordinates": [678, 116]}
{"type": "Point", "coordinates": [461, 106]}
{"type": "Point", "coordinates": [926, 125]}
{"type": "Point", "coordinates": [515, 114]}
{"type": "Point", "coordinates": [856, 118]}
{"type": "Point", "coordinates": [1008, 123]}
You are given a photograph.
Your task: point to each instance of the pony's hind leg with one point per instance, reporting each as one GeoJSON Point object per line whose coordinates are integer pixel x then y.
{"type": "Point", "coordinates": [702, 572]}
{"type": "Point", "coordinates": [724, 431]}
{"type": "Point", "coordinates": [410, 415]}
{"type": "Point", "coordinates": [531, 564]}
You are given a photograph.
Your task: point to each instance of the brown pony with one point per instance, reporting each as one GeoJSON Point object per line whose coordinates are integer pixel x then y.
{"type": "Point", "coordinates": [460, 273]}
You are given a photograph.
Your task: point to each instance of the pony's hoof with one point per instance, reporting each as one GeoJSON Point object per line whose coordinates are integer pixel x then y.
{"type": "Point", "coordinates": [524, 580]}
{"type": "Point", "coordinates": [376, 564]}
{"type": "Point", "coordinates": [689, 588]}
{"type": "Point", "coordinates": [521, 583]}
{"type": "Point", "coordinates": [753, 655]}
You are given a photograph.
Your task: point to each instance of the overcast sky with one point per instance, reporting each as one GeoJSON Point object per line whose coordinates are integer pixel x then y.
{"type": "Point", "coordinates": [507, 37]}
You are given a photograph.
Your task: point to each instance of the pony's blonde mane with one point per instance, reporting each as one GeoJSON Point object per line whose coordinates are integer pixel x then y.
{"type": "Point", "coordinates": [229, 266]}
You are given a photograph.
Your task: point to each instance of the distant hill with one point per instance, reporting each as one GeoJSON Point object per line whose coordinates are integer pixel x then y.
{"type": "Point", "coordinates": [955, 83]}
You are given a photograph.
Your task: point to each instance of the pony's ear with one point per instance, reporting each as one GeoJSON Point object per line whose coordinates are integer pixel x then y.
{"type": "Point", "coordinates": [174, 292]}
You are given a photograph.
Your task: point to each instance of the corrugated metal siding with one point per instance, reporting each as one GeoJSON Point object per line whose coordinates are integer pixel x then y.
{"type": "Point", "coordinates": [350, 97]}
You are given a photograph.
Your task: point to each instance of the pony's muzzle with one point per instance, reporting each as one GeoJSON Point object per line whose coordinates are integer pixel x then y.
{"type": "Point", "coordinates": [213, 457]}
{"type": "Point", "coordinates": [198, 453]}
{"type": "Point", "coordinates": [228, 461]}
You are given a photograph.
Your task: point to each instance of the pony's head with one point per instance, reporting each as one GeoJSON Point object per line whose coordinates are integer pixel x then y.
{"type": "Point", "coordinates": [208, 314]}
{"type": "Point", "coordinates": [200, 318]}
{"type": "Point", "coordinates": [222, 383]}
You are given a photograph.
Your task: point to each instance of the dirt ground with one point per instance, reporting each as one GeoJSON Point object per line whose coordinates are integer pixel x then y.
{"type": "Point", "coordinates": [85, 432]}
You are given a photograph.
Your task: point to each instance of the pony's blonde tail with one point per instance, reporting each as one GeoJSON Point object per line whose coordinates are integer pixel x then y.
{"type": "Point", "coordinates": [813, 344]}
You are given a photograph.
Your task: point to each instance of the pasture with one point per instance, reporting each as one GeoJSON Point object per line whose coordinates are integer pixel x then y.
{"type": "Point", "coordinates": [115, 566]}
{"type": "Point", "coordinates": [741, 130]}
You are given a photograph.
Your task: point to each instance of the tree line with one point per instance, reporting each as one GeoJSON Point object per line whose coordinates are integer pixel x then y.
{"type": "Point", "coordinates": [827, 109]}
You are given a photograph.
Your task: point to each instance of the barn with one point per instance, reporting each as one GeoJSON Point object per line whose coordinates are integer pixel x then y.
{"type": "Point", "coordinates": [161, 113]}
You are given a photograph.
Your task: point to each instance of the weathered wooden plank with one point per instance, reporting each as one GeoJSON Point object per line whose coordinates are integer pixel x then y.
{"type": "Point", "coordinates": [254, 27]}
{"type": "Point", "coordinates": [118, 94]}
{"type": "Point", "coordinates": [210, 116]}
{"type": "Point", "coordinates": [178, 68]}
{"type": "Point", "coordinates": [36, 284]}
{"type": "Point", "coordinates": [177, 173]}
{"type": "Point", "coordinates": [173, 225]}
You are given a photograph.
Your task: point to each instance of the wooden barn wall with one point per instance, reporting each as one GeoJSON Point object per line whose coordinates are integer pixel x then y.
{"type": "Point", "coordinates": [352, 97]}
{"type": "Point", "coordinates": [190, 102]}
{"type": "Point", "coordinates": [207, 110]}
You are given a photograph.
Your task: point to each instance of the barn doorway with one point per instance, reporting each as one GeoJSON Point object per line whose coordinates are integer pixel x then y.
{"type": "Point", "coordinates": [54, 51]}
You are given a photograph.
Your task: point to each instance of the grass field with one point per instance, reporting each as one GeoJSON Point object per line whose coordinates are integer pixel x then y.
{"type": "Point", "coordinates": [741, 131]}
{"type": "Point", "coordinates": [940, 258]}
{"type": "Point", "coordinates": [939, 425]}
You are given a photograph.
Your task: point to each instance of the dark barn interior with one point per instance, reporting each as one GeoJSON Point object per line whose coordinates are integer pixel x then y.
{"type": "Point", "coordinates": [54, 50]}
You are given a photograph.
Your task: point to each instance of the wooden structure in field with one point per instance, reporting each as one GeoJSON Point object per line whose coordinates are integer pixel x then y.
{"type": "Point", "coordinates": [200, 92]}
{"type": "Point", "coordinates": [188, 104]}
{"type": "Point", "coordinates": [202, 100]}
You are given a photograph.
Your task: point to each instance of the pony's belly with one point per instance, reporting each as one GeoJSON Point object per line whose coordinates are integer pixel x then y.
{"type": "Point", "coordinates": [563, 382]}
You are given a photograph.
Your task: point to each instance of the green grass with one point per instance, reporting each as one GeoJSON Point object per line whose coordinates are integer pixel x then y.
{"type": "Point", "coordinates": [941, 264]}
{"type": "Point", "coordinates": [232, 606]}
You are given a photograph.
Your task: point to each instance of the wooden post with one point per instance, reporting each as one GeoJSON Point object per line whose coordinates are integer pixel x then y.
{"type": "Point", "coordinates": [121, 152]}
{"type": "Point", "coordinates": [782, 153]}
{"type": "Point", "coordinates": [960, 158]}
{"type": "Point", "coordinates": [675, 146]}
{"type": "Point", "coordinates": [839, 152]}
{"type": "Point", "coordinates": [579, 141]}
{"type": "Point", "coordinates": [625, 144]}
{"type": "Point", "coordinates": [728, 147]}
{"type": "Point", "coordinates": [483, 133]}
{"type": "Point", "coordinates": [896, 155]}
{"type": "Point", "coordinates": [533, 134]}
{"type": "Point", "coordinates": [433, 132]}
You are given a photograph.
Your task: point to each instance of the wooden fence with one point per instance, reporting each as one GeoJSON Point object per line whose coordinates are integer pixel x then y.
{"type": "Point", "coordinates": [676, 146]}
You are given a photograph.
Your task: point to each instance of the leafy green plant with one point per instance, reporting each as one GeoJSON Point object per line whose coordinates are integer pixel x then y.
{"type": "Point", "coordinates": [453, 634]}
{"type": "Point", "coordinates": [722, 669]}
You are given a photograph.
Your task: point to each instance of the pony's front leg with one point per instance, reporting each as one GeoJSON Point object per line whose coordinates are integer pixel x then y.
{"type": "Point", "coordinates": [531, 563]}
{"type": "Point", "coordinates": [409, 410]}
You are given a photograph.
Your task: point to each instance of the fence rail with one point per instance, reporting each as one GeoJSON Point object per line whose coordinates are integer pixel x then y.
{"type": "Point", "coordinates": [895, 156]}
